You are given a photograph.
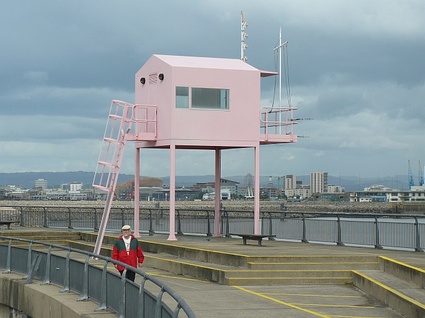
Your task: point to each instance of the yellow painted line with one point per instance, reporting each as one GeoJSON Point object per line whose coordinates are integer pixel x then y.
{"type": "Point", "coordinates": [403, 264]}
{"type": "Point", "coordinates": [175, 277]}
{"type": "Point", "coordinates": [343, 316]}
{"type": "Point", "coordinates": [393, 291]}
{"type": "Point", "coordinates": [282, 302]}
{"type": "Point", "coordinates": [335, 305]}
{"type": "Point", "coordinates": [186, 263]}
{"type": "Point", "coordinates": [315, 295]}
{"type": "Point", "coordinates": [194, 248]}
{"type": "Point", "coordinates": [308, 263]}
{"type": "Point", "coordinates": [312, 256]}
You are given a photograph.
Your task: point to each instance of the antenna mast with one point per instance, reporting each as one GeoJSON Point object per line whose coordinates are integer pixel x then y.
{"type": "Point", "coordinates": [244, 36]}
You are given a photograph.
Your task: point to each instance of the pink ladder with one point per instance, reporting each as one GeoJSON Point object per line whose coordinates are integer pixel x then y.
{"type": "Point", "coordinates": [108, 167]}
{"type": "Point", "coordinates": [125, 122]}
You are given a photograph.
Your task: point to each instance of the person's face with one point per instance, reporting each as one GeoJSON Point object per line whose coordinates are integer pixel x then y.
{"type": "Point", "coordinates": [126, 233]}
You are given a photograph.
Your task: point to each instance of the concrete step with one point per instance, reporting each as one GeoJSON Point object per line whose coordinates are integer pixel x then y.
{"type": "Point", "coordinates": [275, 281]}
{"type": "Point", "coordinates": [313, 259]}
{"type": "Point", "coordinates": [403, 296]}
{"type": "Point", "coordinates": [334, 265]}
{"type": "Point", "coordinates": [42, 235]}
{"type": "Point", "coordinates": [235, 269]}
{"type": "Point", "coordinates": [286, 273]}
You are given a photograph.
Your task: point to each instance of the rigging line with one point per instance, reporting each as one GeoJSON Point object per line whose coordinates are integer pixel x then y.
{"type": "Point", "coordinates": [287, 83]}
{"type": "Point", "coordinates": [275, 79]}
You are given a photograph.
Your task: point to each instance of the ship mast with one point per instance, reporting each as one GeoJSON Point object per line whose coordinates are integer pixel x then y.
{"type": "Point", "coordinates": [279, 48]}
{"type": "Point", "coordinates": [244, 36]}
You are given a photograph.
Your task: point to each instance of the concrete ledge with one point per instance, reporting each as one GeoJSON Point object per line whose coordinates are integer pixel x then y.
{"type": "Point", "coordinates": [45, 301]}
{"type": "Point", "coordinates": [395, 299]}
{"type": "Point", "coordinates": [403, 271]}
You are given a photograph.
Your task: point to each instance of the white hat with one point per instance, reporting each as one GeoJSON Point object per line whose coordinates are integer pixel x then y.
{"type": "Point", "coordinates": [126, 227]}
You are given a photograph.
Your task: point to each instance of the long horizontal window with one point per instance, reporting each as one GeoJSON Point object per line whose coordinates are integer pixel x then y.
{"type": "Point", "coordinates": [202, 98]}
{"type": "Point", "coordinates": [210, 98]}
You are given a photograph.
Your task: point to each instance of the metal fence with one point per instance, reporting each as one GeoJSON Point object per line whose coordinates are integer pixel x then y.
{"type": "Point", "coordinates": [56, 264]}
{"type": "Point", "coordinates": [393, 231]}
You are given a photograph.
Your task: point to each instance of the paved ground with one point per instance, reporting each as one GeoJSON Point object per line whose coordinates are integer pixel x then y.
{"type": "Point", "coordinates": [212, 300]}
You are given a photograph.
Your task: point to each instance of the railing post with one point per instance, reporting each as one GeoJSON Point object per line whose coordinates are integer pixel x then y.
{"type": "Point", "coordinates": [304, 239]}
{"type": "Point", "coordinates": [34, 268]}
{"type": "Point", "coordinates": [47, 273]}
{"type": "Point", "coordinates": [339, 238]}
{"type": "Point", "coordinates": [122, 217]}
{"type": "Point", "coordinates": [158, 307]}
{"type": "Point", "coordinates": [141, 299]}
{"type": "Point", "coordinates": [271, 227]}
{"type": "Point", "coordinates": [225, 222]}
{"type": "Point", "coordinates": [377, 242]}
{"type": "Point", "coordinates": [84, 292]}
{"type": "Point", "coordinates": [418, 247]}
{"type": "Point", "coordinates": [69, 219]}
{"type": "Point", "coordinates": [151, 231]}
{"type": "Point", "coordinates": [121, 309]}
{"type": "Point", "coordinates": [45, 217]}
{"type": "Point", "coordinates": [208, 224]}
{"type": "Point", "coordinates": [8, 257]}
{"type": "Point", "coordinates": [179, 223]}
{"type": "Point", "coordinates": [103, 287]}
{"type": "Point", "coordinates": [29, 256]}
{"type": "Point", "coordinates": [22, 216]}
{"type": "Point", "coordinates": [95, 222]}
{"type": "Point", "coordinates": [66, 278]}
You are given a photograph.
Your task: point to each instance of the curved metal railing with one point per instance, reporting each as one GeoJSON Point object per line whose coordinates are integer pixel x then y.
{"type": "Point", "coordinates": [87, 273]}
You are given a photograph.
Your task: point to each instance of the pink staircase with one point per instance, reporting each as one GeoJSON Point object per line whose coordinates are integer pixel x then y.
{"type": "Point", "coordinates": [125, 122]}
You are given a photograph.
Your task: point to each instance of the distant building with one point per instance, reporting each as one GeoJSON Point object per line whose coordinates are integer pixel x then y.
{"type": "Point", "coordinates": [40, 184]}
{"type": "Point", "coordinates": [290, 185]}
{"type": "Point", "coordinates": [228, 188]}
{"type": "Point", "coordinates": [335, 189]}
{"type": "Point", "coordinates": [380, 193]}
{"type": "Point", "coordinates": [295, 190]}
{"type": "Point", "coordinates": [75, 187]}
{"type": "Point", "coordinates": [318, 182]}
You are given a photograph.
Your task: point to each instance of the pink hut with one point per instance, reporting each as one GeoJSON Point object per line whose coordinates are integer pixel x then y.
{"type": "Point", "coordinates": [191, 103]}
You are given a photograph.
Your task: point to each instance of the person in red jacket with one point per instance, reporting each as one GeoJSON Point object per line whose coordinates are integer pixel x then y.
{"type": "Point", "coordinates": [127, 250]}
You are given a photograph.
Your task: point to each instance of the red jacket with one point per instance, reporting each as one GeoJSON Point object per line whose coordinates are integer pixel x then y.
{"type": "Point", "coordinates": [134, 256]}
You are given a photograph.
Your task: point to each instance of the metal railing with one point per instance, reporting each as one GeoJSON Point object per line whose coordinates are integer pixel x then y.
{"type": "Point", "coordinates": [53, 263]}
{"type": "Point", "coordinates": [378, 230]}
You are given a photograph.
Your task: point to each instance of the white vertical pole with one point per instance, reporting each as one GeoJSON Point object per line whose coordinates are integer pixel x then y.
{"type": "Point", "coordinates": [137, 193]}
{"type": "Point", "coordinates": [280, 80]}
{"type": "Point", "coordinates": [257, 190]}
{"type": "Point", "coordinates": [172, 235]}
{"type": "Point", "coordinates": [217, 192]}
{"type": "Point", "coordinates": [280, 67]}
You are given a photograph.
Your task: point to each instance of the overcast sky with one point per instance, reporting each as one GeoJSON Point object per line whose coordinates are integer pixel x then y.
{"type": "Point", "coordinates": [356, 67]}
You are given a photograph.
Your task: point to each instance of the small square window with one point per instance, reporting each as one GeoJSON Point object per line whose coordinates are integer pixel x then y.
{"type": "Point", "coordinates": [182, 97]}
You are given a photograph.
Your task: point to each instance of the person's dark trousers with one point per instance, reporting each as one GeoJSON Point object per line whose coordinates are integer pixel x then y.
{"type": "Point", "coordinates": [130, 275]}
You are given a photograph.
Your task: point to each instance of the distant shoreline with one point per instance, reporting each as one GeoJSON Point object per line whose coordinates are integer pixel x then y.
{"type": "Point", "coordinates": [273, 206]}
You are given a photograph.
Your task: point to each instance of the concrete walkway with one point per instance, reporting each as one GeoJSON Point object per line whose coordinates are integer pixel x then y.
{"type": "Point", "coordinates": [212, 300]}
{"type": "Point", "coordinates": [209, 300]}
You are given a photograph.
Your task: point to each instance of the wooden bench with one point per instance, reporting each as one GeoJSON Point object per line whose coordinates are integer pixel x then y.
{"type": "Point", "coordinates": [254, 237]}
{"type": "Point", "coordinates": [7, 223]}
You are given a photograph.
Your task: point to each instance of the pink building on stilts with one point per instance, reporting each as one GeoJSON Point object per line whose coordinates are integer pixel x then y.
{"type": "Point", "coordinates": [191, 103]}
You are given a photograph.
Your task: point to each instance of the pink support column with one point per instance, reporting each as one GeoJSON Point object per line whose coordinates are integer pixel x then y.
{"type": "Point", "coordinates": [137, 194]}
{"type": "Point", "coordinates": [257, 190]}
{"type": "Point", "coordinates": [217, 192]}
{"type": "Point", "coordinates": [172, 235]}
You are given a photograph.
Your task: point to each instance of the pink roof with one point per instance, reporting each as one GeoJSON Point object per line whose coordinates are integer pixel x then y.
{"type": "Point", "coordinates": [210, 62]}
{"type": "Point", "coordinates": [205, 62]}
